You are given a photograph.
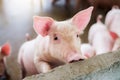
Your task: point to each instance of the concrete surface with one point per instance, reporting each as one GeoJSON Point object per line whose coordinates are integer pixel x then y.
{"type": "Point", "coordinates": [102, 67]}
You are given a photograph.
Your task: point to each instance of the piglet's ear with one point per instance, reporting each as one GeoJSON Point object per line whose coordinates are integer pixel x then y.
{"type": "Point", "coordinates": [42, 25]}
{"type": "Point", "coordinates": [5, 49]}
{"type": "Point", "coordinates": [82, 18]}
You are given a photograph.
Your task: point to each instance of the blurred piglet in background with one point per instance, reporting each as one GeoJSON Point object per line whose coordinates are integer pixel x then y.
{"type": "Point", "coordinates": [4, 52]}
{"type": "Point", "coordinates": [87, 50]}
{"type": "Point", "coordinates": [112, 22]}
{"type": "Point", "coordinates": [57, 43]}
{"type": "Point", "coordinates": [100, 37]}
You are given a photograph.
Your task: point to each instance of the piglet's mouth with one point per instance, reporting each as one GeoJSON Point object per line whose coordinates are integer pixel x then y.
{"type": "Point", "coordinates": [75, 58]}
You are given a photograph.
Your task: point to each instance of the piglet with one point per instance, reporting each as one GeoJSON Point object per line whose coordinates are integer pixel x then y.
{"type": "Point", "coordinates": [100, 37]}
{"type": "Point", "coordinates": [57, 43]}
{"type": "Point", "coordinates": [4, 52]}
{"type": "Point", "coordinates": [87, 50]}
{"type": "Point", "coordinates": [112, 20]}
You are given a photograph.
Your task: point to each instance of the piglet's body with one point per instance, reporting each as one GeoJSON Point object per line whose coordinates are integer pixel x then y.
{"type": "Point", "coordinates": [87, 50]}
{"type": "Point", "coordinates": [116, 44]}
{"type": "Point", "coordinates": [112, 20]}
{"type": "Point", "coordinates": [57, 43]}
{"type": "Point", "coordinates": [100, 38]}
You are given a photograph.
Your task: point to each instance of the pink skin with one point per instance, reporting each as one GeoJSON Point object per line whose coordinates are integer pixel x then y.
{"type": "Point", "coordinates": [5, 50]}
{"type": "Point", "coordinates": [113, 35]}
{"type": "Point", "coordinates": [87, 50]}
{"type": "Point", "coordinates": [57, 43]}
{"type": "Point", "coordinates": [116, 44]}
{"type": "Point", "coordinates": [113, 24]}
{"type": "Point", "coordinates": [100, 38]}
{"type": "Point", "coordinates": [112, 20]}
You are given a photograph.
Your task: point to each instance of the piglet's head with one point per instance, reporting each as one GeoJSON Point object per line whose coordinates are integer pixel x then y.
{"type": "Point", "coordinates": [64, 42]}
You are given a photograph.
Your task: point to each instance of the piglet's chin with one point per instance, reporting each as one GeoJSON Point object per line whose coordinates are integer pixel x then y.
{"type": "Point", "coordinates": [75, 57]}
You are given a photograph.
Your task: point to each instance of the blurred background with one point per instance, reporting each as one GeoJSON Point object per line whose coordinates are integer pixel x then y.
{"type": "Point", "coordinates": [16, 18]}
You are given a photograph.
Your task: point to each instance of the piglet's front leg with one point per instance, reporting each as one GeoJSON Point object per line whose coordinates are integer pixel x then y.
{"type": "Point", "coordinates": [42, 66]}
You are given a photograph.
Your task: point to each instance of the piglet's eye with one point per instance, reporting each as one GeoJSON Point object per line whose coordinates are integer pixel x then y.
{"type": "Point", "coordinates": [55, 38]}
{"type": "Point", "coordinates": [77, 35]}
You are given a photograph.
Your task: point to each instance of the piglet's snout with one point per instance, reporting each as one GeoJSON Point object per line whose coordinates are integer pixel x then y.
{"type": "Point", "coordinates": [75, 57]}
